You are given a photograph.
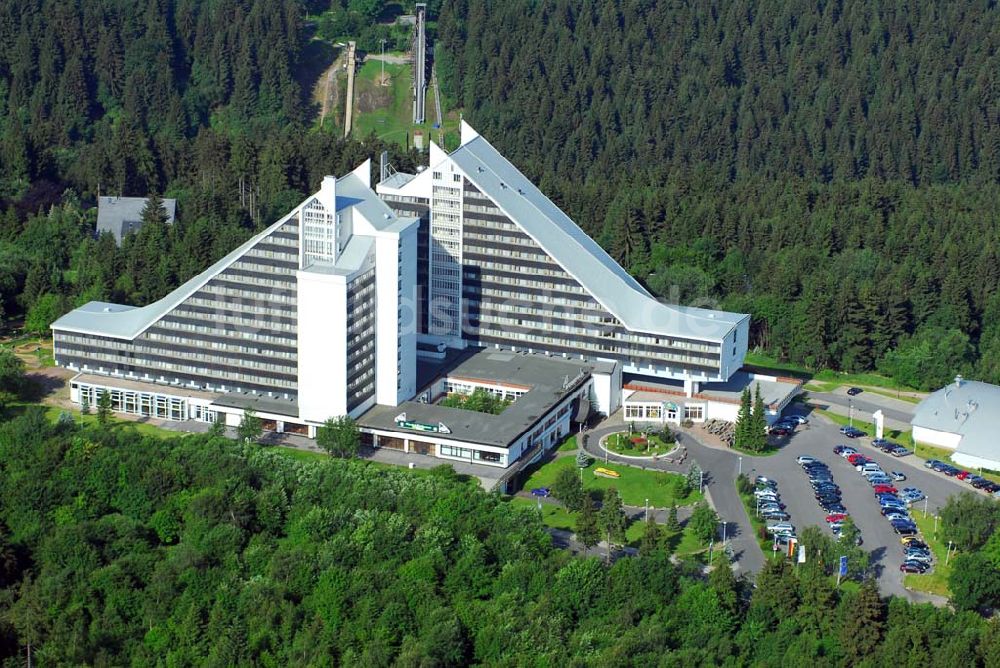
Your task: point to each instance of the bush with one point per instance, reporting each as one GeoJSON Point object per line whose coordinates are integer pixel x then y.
{"type": "Point", "coordinates": [743, 484]}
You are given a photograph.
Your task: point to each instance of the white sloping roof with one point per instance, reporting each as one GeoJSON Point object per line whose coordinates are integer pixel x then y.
{"type": "Point", "coordinates": [970, 409]}
{"type": "Point", "coordinates": [119, 321]}
{"type": "Point", "coordinates": [580, 255]}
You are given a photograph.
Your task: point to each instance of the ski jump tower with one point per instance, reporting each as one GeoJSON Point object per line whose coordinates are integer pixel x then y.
{"type": "Point", "coordinates": [420, 64]}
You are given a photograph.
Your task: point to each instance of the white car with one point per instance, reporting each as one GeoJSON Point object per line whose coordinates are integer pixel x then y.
{"type": "Point", "coordinates": [798, 419]}
{"type": "Point", "coordinates": [781, 527]}
{"type": "Point", "coordinates": [805, 459]}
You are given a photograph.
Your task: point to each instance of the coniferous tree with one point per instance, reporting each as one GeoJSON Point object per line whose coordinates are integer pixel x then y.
{"type": "Point", "coordinates": [651, 537]}
{"type": "Point", "coordinates": [743, 420]}
{"type": "Point", "coordinates": [104, 407]}
{"type": "Point", "coordinates": [154, 211]}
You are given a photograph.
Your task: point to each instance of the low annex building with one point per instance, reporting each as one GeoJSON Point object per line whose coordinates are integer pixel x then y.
{"type": "Point", "coordinates": [664, 401]}
{"type": "Point", "coordinates": [963, 417]}
{"type": "Point", "coordinates": [335, 308]}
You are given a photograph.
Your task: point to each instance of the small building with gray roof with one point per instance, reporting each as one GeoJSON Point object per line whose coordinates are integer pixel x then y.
{"type": "Point", "coordinates": [121, 216]}
{"type": "Point", "coordinates": [964, 417]}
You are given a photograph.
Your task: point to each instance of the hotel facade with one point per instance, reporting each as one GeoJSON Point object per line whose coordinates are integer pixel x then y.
{"type": "Point", "coordinates": [346, 304]}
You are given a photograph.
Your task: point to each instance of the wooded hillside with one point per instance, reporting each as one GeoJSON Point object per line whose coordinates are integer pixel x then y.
{"type": "Point", "coordinates": [118, 549]}
{"type": "Point", "coordinates": [830, 167]}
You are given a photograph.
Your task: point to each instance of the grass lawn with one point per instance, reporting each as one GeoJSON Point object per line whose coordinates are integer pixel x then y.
{"type": "Point", "coordinates": [634, 485]}
{"type": "Point", "coordinates": [569, 445]}
{"type": "Point", "coordinates": [392, 118]}
{"type": "Point", "coordinates": [936, 581]}
{"type": "Point", "coordinates": [553, 516]}
{"type": "Point", "coordinates": [52, 413]}
{"type": "Point", "coordinates": [902, 437]}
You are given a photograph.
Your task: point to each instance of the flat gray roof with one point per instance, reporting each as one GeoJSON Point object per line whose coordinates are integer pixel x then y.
{"type": "Point", "coordinates": [772, 392]}
{"type": "Point", "coordinates": [581, 256]}
{"type": "Point", "coordinates": [544, 375]}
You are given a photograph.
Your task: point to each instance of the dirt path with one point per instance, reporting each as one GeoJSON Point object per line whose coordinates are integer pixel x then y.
{"type": "Point", "coordinates": [326, 91]}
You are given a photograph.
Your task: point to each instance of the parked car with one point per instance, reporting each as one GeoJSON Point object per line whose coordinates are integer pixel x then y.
{"type": "Point", "coordinates": [858, 458]}
{"type": "Point", "coordinates": [914, 567]}
{"type": "Point", "coordinates": [899, 451]}
{"type": "Point", "coordinates": [950, 471]}
{"type": "Point", "coordinates": [852, 432]}
{"type": "Point", "coordinates": [979, 482]}
{"type": "Point", "coordinates": [836, 517]}
{"type": "Point", "coordinates": [781, 527]}
{"type": "Point", "coordinates": [777, 515]}
{"type": "Point", "coordinates": [897, 476]}
{"type": "Point", "coordinates": [919, 555]}
{"type": "Point", "coordinates": [991, 487]}
{"type": "Point", "coordinates": [797, 419]}
{"type": "Point", "coordinates": [913, 541]}
{"type": "Point", "coordinates": [806, 459]}
{"type": "Point", "coordinates": [880, 489]}
{"type": "Point", "coordinates": [930, 463]}
{"type": "Point", "coordinates": [894, 515]}
{"type": "Point", "coordinates": [780, 431]}
{"type": "Point", "coordinates": [854, 391]}
{"type": "Point", "coordinates": [962, 475]}
{"type": "Point", "coordinates": [761, 480]}
{"type": "Point", "coordinates": [835, 507]}
{"type": "Point", "coordinates": [541, 491]}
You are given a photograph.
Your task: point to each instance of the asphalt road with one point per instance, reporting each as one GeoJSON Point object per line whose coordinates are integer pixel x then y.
{"type": "Point", "coordinates": [867, 403]}
{"type": "Point", "coordinates": [818, 439]}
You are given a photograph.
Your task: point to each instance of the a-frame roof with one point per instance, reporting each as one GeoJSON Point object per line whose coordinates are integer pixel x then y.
{"type": "Point", "coordinates": [580, 255]}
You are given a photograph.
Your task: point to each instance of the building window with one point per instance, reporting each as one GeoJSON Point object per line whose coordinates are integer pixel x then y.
{"type": "Point", "coordinates": [694, 412]}
{"type": "Point", "coordinates": [492, 457]}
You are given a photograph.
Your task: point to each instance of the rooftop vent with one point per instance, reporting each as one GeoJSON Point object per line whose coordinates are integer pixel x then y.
{"type": "Point", "coordinates": [387, 216]}
{"type": "Point", "coordinates": [958, 380]}
{"type": "Point", "coordinates": [480, 169]}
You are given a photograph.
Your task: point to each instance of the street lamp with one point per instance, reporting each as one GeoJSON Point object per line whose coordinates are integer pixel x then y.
{"type": "Point", "coordinates": [741, 466]}
{"type": "Point", "coordinates": [850, 412]}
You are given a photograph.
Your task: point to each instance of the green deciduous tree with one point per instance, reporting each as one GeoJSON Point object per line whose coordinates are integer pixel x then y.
{"type": "Point", "coordinates": [568, 488]}
{"type": "Point", "coordinates": [588, 531]}
{"type": "Point", "coordinates": [612, 519]}
{"type": "Point", "coordinates": [652, 537]}
{"type": "Point", "coordinates": [969, 520]}
{"type": "Point", "coordinates": [704, 522]}
{"type": "Point", "coordinates": [339, 436]}
{"type": "Point", "coordinates": [974, 582]}
{"type": "Point", "coordinates": [250, 428]}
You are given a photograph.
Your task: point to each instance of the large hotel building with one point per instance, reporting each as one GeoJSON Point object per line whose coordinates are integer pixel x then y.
{"type": "Point", "coordinates": [375, 303]}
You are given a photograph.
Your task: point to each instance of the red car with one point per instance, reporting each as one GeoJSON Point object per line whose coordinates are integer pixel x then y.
{"type": "Point", "coordinates": [962, 475]}
{"type": "Point", "coordinates": [836, 517]}
{"type": "Point", "coordinates": [857, 458]}
{"type": "Point", "coordinates": [885, 489]}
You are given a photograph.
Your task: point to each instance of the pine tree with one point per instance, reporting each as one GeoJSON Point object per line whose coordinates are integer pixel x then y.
{"type": "Point", "coordinates": [758, 423]}
{"type": "Point", "coordinates": [104, 407]}
{"type": "Point", "coordinates": [154, 211]}
{"type": "Point", "coordinates": [743, 418]}
{"type": "Point", "coordinates": [84, 404]}
{"type": "Point", "coordinates": [864, 623]}
{"type": "Point", "coordinates": [673, 525]}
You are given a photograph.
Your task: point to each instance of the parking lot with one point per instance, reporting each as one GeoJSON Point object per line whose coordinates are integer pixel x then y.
{"type": "Point", "coordinates": [817, 439]}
